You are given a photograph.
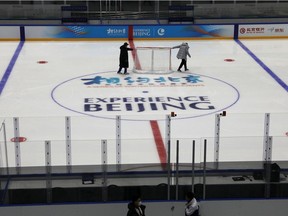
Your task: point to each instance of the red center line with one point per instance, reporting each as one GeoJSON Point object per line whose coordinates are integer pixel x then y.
{"type": "Point", "coordinates": [159, 143]}
{"type": "Point", "coordinates": [153, 123]}
{"type": "Point", "coordinates": [132, 45]}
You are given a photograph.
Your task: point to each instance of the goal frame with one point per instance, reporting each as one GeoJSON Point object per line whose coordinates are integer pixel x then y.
{"type": "Point", "coordinates": [137, 66]}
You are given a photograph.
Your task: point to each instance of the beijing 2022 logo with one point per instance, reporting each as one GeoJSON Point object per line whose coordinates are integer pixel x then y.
{"type": "Point", "coordinates": [105, 93]}
{"type": "Point", "coordinates": [161, 32]}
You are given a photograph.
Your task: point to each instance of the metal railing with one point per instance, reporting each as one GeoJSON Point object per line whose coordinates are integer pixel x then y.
{"type": "Point", "coordinates": [229, 155]}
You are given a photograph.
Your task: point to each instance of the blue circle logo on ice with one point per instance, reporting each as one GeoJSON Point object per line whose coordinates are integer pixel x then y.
{"type": "Point", "coordinates": [101, 94]}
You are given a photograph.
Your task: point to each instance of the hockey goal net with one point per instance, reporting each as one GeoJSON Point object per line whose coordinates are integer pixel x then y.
{"type": "Point", "coordinates": [153, 60]}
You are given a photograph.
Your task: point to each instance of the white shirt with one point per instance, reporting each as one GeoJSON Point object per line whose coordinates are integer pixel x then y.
{"type": "Point", "coordinates": [191, 207]}
{"type": "Point", "coordinates": [139, 211]}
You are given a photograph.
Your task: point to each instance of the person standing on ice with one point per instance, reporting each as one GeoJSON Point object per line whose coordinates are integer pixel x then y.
{"type": "Point", "coordinates": [124, 63]}
{"type": "Point", "coordinates": [182, 54]}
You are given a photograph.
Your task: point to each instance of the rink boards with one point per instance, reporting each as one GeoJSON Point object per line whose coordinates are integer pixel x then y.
{"type": "Point", "coordinates": [156, 32]}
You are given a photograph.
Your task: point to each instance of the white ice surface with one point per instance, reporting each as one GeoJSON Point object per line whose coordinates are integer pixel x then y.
{"type": "Point", "coordinates": [27, 95]}
{"type": "Point", "coordinates": [265, 51]}
{"type": "Point", "coordinates": [7, 50]}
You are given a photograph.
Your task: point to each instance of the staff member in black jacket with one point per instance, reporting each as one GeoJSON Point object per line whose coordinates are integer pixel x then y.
{"type": "Point", "coordinates": [124, 63]}
{"type": "Point", "coordinates": [135, 208]}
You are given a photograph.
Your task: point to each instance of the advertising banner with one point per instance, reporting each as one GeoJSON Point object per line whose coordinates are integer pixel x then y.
{"type": "Point", "coordinates": [184, 31]}
{"type": "Point", "coordinates": [74, 32]}
{"type": "Point", "coordinates": [263, 30]}
{"type": "Point", "coordinates": [63, 32]}
{"type": "Point", "coordinates": [140, 32]}
{"type": "Point", "coordinates": [9, 33]}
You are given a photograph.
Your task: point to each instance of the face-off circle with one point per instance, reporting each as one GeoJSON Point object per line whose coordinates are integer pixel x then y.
{"type": "Point", "coordinates": [107, 94]}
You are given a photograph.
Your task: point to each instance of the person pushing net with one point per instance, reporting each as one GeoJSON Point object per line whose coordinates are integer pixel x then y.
{"type": "Point", "coordinates": [123, 59]}
{"type": "Point", "coordinates": [182, 54]}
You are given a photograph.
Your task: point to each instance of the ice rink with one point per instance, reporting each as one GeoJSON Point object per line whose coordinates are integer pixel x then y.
{"type": "Point", "coordinates": [246, 78]}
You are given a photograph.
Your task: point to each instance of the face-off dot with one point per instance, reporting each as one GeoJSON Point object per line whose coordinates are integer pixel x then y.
{"type": "Point", "coordinates": [42, 62]}
{"type": "Point", "coordinates": [229, 60]}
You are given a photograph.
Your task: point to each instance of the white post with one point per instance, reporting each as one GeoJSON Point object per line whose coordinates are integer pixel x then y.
{"type": "Point", "coordinates": [193, 164]}
{"type": "Point", "coordinates": [104, 169]}
{"type": "Point", "coordinates": [217, 140]}
{"type": "Point", "coordinates": [168, 131]}
{"type": "Point", "coordinates": [48, 154]}
{"type": "Point", "coordinates": [48, 171]}
{"type": "Point", "coordinates": [118, 142]}
{"type": "Point", "coordinates": [5, 145]}
{"type": "Point", "coordinates": [177, 169]}
{"type": "Point", "coordinates": [268, 167]}
{"type": "Point", "coordinates": [168, 150]}
{"type": "Point", "coordinates": [17, 144]}
{"type": "Point", "coordinates": [168, 170]}
{"type": "Point", "coordinates": [266, 137]}
{"type": "Point", "coordinates": [204, 169]}
{"type": "Point", "coordinates": [68, 144]}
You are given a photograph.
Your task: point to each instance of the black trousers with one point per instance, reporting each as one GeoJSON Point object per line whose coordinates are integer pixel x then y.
{"type": "Point", "coordinates": [183, 63]}
{"type": "Point", "coordinates": [120, 69]}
